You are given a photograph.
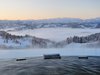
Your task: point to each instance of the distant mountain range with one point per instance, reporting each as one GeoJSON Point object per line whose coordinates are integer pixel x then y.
{"type": "Point", "coordinates": [68, 20]}
{"type": "Point", "coordinates": [50, 23]}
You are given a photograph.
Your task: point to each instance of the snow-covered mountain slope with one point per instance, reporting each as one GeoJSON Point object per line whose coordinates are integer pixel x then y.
{"type": "Point", "coordinates": [56, 34]}
{"type": "Point", "coordinates": [12, 41]}
{"type": "Point", "coordinates": [8, 40]}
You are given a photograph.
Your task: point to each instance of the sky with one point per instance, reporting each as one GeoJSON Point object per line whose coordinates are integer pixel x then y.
{"type": "Point", "coordinates": [44, 9]}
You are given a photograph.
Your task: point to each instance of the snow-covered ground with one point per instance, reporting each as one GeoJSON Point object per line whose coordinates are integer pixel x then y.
{"type": "Point", "coordinates": [70, 50]}
{"type": "Point", "coordinates": [56, 34]}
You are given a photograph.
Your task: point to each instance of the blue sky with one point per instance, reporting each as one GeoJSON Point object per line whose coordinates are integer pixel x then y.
{"type": "Point", "coordinates": [42, 9]}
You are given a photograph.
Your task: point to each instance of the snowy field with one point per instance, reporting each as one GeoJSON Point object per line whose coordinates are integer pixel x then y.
{"type": "Point", "coordinates": [70, 50]}
{"type": "Point", "coordinates": [56, 34]}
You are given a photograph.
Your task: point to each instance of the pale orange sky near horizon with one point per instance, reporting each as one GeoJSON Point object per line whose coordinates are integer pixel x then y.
{"type": "Point", "coordinates": [43, 9]}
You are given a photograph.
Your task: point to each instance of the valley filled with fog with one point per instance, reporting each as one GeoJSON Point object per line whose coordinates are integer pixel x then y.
{"type": "Point", "coordinates": [38, 37]}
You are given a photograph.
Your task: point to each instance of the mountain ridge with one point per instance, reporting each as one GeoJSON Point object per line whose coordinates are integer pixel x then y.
{"type": "Point", "coordinates": [51, 23]}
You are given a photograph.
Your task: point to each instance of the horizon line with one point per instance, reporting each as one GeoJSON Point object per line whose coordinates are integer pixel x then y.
{"type": "Point", "coordinates": [49, 18]}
